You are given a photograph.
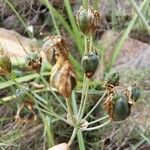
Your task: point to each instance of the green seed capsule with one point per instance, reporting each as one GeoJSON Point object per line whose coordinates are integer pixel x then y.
{"type": "Point", "coordinates": [112, 78]}
{"type": "Point", "coordinates": [90, 63]}
{"type": "Point", "coordinates": [23, 94]}
{"type": "Point", "coordinates": [87, 20]}
{"type": "Point", "coordinates": [135, 93]}
{"type": "Point", "coordinates": [34, 60]}
{"type": "Point", "coordinates": [120, 108]}
{"type": "Point", "coordinates": [5, 65]}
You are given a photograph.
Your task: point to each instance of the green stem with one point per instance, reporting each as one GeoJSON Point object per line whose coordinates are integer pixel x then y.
{"type": "Point", "coordinates": [98, 120]}
{"type": "Point", "coordinates": [50, 112]}
{"type": "Point", "coordinates": [83, 95]}
{"type": "Point", "coordinates": [72, 137]}
{"type": "Point", "coordinates": [76, 131]}
{"type": "Point", "coordinates": [95, 4]}
{"type": "Point", "coordinates": [85, 3]}
{"type": "Point", "coordinates": [85, 100]}
{"type": "Point", "coordinates": [57, 98]}
{"type": "Point", "coordinates": [70, 112]}
{"type": "Point", "coordinates": [97, 127]}
{"type": "Point", "coordinates": [137, 10]}
{"type": "Point", "coordinates": [96, 105]}
{"type": "Point", "coordinates": [80, 140]}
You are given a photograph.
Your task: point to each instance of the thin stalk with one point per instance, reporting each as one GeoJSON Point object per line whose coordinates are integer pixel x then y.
{"type": "Point", "coordinates": [85, 3]}
{"type": "Point", "coordinates": [57, 98]}
{"type": "Point", "coordinates": [50, 112]}
{"type": "Point", "coordinates": [95, 4]}
{"type": "Point", "coordinates": [72, 137]}
{"type": "Point", "coordinates": [90, 45]}
{"type": "Point", "coordinates": [83, 94]}
{"type": "Point", "coordinates": [70, 112]}
{"type": "Point", "coordinates": [85, 100]}
{"type": "Point", "coordinates": [98, 120]}
{"type": "Point", "coordinates": [104, 94]}
{"type": "Point", "coordinates": [97, 127]}
{"type": "Point", "coordinates": [85, 44]}
{"type": "Point", "coordinates": [48, 128]}
{"type": "Point", "coordinates": [75, 110]}
{"type": "Point", "coordinates": [140, 15]}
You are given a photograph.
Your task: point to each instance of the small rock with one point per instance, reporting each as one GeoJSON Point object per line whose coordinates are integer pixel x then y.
{"type": "Point", "coordinates": [9, 41]}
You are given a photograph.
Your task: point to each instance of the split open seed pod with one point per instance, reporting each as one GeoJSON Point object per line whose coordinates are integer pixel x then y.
{"type": "Point", "coordinates": [34, 61]}
{"type": "Point", "coordinates": [112, 78]}
{"type": "Point", "coordinates": [90, 64]}
{"type": "Point", "coordinates": [23, 95]}
{"type": "Point", "coordinates": [53, 46]}
{"type": "Point", "coordinates": [135, 92]}
{"type": "Point", "coordinates": [5, 63]}
{"type": "Point", "coordinates": [87, 20]}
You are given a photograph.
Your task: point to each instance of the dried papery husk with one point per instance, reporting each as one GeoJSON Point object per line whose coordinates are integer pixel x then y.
{"type": "Point", "coordinates": [25, 101]}
{"type": "Point", "coordinates": [133, 93]}
{"type": "Point", "coordinates": [34, 61]}
{"type": "Point", "coordinates": [112, 79]}
{"type": "Point", "coordinates": [54, 45]}
{"type": "Point", "coordinates": [63, 78]}
{"type": "Point", "coordinates": [87, 20]}
{"type": "Point", "coordinates": [5, 63]}
{"type": "Point", "coordinates": [23, 96]}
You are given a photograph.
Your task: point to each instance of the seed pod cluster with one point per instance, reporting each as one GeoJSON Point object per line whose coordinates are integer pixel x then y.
{"type": "Point", "coordinates": [63, 76]}
{"type": "Point", "coordinates": [23, 96]}
{"type": "Point", "coordinates": [87, 20]}
{"type": "Point", "coordinates": [90, 64]}
{"type": "Point", "coordinates": [34, 61]}
{"type": "Point", "coordinates": [5, 63]}
{"type": "Point", "coordinates": [118, 104]}
{"type": "Point", "coordinates": [53, 46]}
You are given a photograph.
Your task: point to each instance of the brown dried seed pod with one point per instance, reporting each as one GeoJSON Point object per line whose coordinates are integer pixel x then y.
{"type": "Point", "coordinates": [53, 46]}
{"type": "Point", "coordinates": [5, 63]}
{"type": "Point", "coordinates": [87, 20]}
{"type": "Point", "coordinates": [34, 61]}
{"type": "Point", "coordinates": [63, 78]}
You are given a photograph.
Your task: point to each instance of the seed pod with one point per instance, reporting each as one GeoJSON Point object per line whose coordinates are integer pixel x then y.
{"type": "Point", "coordinates": [25, 102]}
{"type": "Point", "coordinates": [63, 78]}
{"type": "Point", "coordinates": [112, 78]}
{"type": "Point", "coordinates": [90, 63]}
{"type": "Point", "coordinates": [5, 65]}
{"type": "Point", "coordinates": [53, 46]}
{"type": "Point", "coordinates": [87, 20]}
{"type": "Point", "coordinates": [34, 61]}
{"type": "Point", "coordinates": [121, 109]}
{"type": "Point", "coordinates": [23, 95]}
{"type": "Point", "coordinates": [135, 92]}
